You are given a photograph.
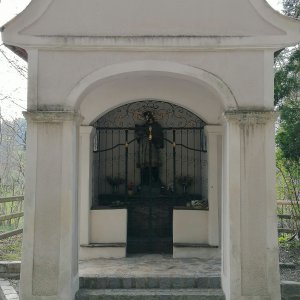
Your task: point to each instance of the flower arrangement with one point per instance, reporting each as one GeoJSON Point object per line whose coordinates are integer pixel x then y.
{"type": "Point", "coordinates": [130, 186]}
{"type": "Point", "coordinates": [185, 181]}
{"type": "Point", "coordinates": [114, 182]}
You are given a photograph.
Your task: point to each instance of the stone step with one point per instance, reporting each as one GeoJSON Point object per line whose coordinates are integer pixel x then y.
{"type": "Point", "coordinates": [150, 294]}
{"type": "Point", "coordinates": [210, 282]}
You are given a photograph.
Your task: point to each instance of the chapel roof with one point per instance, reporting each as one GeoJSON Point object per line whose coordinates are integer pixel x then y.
{"type": "Point", "coordinates": [141, 23]}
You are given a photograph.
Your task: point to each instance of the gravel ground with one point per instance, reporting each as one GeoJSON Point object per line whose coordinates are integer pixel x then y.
{"type": "Point", "coordinates": [290, 256]}
{"type": "Point", "coordinates": [15, 284]}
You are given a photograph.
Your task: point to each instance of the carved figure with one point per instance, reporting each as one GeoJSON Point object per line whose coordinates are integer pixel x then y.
{"type": "Point", "coordinates": [150, 140]}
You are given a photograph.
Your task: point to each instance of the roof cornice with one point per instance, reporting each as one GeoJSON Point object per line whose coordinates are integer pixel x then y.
{"type": "Point", "coordinates": [12, 35]}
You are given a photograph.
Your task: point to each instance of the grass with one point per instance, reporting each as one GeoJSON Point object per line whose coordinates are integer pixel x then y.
{"type": "Point", "coordinates": [10, 248]}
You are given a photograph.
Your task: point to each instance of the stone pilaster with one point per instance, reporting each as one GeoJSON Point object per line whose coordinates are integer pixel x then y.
{"type": "Point", "coordinates": [214, 157]}
{"type": "Point", "coordinates": [85, 181]}
{"type": "Point", "coordinates": [50, 249]}
{"type": "Point", "coordinates": [250, 250]}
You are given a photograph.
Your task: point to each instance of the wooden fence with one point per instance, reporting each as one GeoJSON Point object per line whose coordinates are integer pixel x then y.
{"type": "Point", "coordinates": [11, 216]}
{"type": "Point", "coordinates": [285, 215]}
{"type": "Point", "coordinates": [281, 204]}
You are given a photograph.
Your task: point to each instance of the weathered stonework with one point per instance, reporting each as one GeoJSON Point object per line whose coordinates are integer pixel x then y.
{"type": "Point", "coordinates": [251, 117]}
{"type": "Point", "coordinates": [52, 116]}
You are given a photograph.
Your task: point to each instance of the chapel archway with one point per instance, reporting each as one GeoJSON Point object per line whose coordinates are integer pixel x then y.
{"type": "Point", "coordinates": [149, 156]}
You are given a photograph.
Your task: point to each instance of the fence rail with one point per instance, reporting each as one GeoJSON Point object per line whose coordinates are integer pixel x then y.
{"type": "Point", "coordinates": [282, 216]}
{"type": "Point", "coordinates": [11, 216]}
{"type": "Point", "coordinates": [11, 199]}
{"type": "Point", "coordinates": [287, 202]}
{"type": "Point", "coordinates": [10, 233]}
{"type": "Point", "coordinates": [286, 217]}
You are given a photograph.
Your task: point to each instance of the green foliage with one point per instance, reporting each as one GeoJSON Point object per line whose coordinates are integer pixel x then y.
{"type": "Point", "coordinates": [287, 101]}
{"type": "Point", "coordinates": [283, 239]}
{"type": "Point", "coordinates": [288, 187]}
{"type": "Point", "coordinates": [291, 8]}
{"type": "Point", "coordinates": [288, 133]}
{"type": "Point", "coordinates": [287, 62]}
{"type": "Point", "coordinates": [287, 80]}
{"type": "Point", "coordinates": [10, 249]}
{"type": "Point", "coordinates": [288, 244]}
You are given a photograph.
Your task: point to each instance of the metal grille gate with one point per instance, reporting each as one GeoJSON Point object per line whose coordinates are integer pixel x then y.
{"type": "Point", "coordinates": [172, 176]}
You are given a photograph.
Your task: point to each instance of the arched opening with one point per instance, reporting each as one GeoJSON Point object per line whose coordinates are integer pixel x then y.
{"type": "Point", "coordinates": [149, 157]}
{"type": "Point", "coordinates": [108, 98]}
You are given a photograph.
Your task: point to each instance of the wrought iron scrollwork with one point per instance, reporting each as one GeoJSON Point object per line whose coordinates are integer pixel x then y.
{"type": "Point", "coordinates": [166, 114]}
{"type": "Point", "coordinates": [117, 153]}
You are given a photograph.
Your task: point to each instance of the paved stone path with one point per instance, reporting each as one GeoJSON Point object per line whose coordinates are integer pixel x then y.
{"type": "Point", "coordinates": [154, 265]}
{"type": "Point", "coordinates": [7, 292]}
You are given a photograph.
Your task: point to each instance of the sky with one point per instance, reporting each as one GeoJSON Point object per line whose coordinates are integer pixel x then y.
{"type": "Point", "coordinates": [12, 84]}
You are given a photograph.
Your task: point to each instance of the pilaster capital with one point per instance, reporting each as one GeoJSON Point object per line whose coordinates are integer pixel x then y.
{"type": "Point", "coordinates": [52, 116]}
{"type": "Point", "coordinates": [213, 130]}
{"type": "Point", "coordinates": [249, 117]}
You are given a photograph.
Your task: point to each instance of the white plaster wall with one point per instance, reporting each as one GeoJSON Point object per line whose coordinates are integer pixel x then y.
{"type": "Point", "coordinates": [190, 226]}
{"type": "Point", "coordinates": [48, 188]}
{"type": "Point", "coordinates": [51, 222]}
{"type": "Point", "coordinates": [250, 253]}
{"type": "Point", "coordinates": [194, 24]}
{"type": "Point", "coordinates": [202, 253]}
{"type": "Point", "coordinates": [85, 184]}
{"type": "Point", "coordinates": [204, 167]}
{"type": "Point", "coordinates": [148, 18]}
{"type": "Point", "coordinates": [108, 226]}
{"type": "Point", "coordinates": [86, 253]}
{"type": "Point", "coordinates": [248, 75]}
{"type": "Point", "coordinates": [142, 86]}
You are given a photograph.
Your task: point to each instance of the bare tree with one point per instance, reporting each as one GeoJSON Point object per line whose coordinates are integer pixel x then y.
{"type": "Point", "coordinates": [12, 129]}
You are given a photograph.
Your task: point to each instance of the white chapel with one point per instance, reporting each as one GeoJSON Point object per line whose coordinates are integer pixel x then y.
{"type": "Point", "coordinates": [150, 130]}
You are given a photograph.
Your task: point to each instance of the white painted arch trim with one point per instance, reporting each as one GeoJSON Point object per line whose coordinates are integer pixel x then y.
{"type": "Point", "coordinates": [164, 67]}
